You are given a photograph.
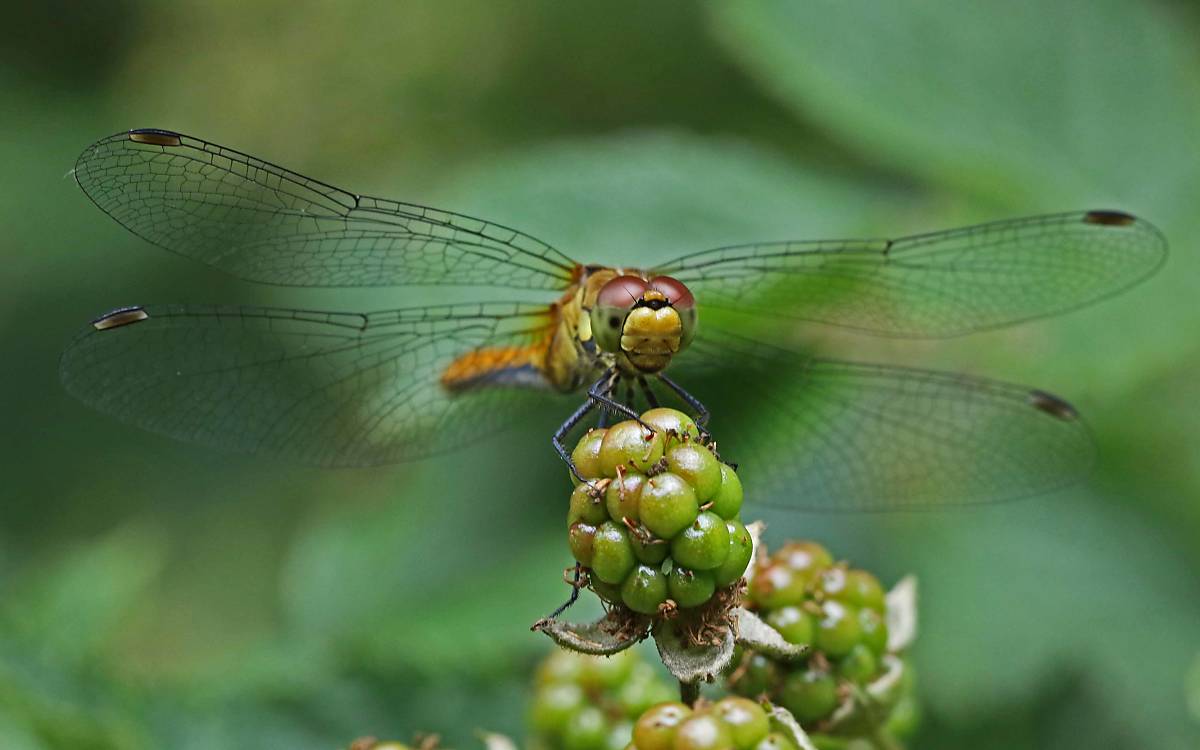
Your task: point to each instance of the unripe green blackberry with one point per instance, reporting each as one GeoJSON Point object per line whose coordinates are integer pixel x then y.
{"type": "Point", "coordinates": [704, 544]}
{"type": "Point", "coordinates": [698, 467]}
{"type": "Point", "coordinates": [727, 502]}
{"type": "Point", "coordinates": [776, 741]}
{"type": "Point", "coordinates": [637, 524]}
{"type": "Point", "coordinates": [690, 588]}
{"type": "Point", "coordinates": [629, 445]}
{"type": "Point", "coordinates": [676, 426]}
{"type": "Point", "coordinates": [741, 550]}
{"type": "Point", "coordinates": [810, 694]}
{"type": "Point", "coordinates": [841, 613]}
{"type": "Point", "coordinates": [668, 505]}
{"type": "Point", "coordinates": [729, 724]}
{"type": "Point", "coordinates": [655, 729]}
{"type": "Point", "coordinates": [645, 589]}
{"type": "Point", "coordinates": [586, 455]}
{"type": "Point", "coordinates": [623, 495]}
{"type": "Point", "coordinates": [589, 703]}
{"type": "Point", "coordinates": [612, 553]}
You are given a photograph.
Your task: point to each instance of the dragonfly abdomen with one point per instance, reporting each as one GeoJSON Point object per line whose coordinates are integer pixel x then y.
{"type": "Point", "coordinates": [516, 366]}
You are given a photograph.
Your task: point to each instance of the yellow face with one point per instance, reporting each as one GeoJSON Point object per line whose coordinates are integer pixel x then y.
{"type": "Point", "coordinates": [644, 322]}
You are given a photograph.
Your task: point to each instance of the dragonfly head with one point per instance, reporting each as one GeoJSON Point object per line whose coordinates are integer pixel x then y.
{"type": "Point", "coordinates": [645, 322]}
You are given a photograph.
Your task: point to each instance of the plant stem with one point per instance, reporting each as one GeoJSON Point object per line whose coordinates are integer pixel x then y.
{"type": "Point", "coordinates": [689, 692]}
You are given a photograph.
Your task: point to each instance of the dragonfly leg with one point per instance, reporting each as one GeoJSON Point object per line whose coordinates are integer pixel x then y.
{"type": "Point", "coordinates": [575, 585]}
{"type": "Point", "coordinates": [564, 429]}
{"type": "Point", "coordinates": [601, 391]}
{"type": "Point", "coordinates": [648, 392]}
{"type": "Point", "coordinates": [700, 409]}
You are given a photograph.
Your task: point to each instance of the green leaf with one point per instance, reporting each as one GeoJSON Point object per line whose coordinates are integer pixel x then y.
{"type": "Point", "coordinates": [74, 607]}
{"type": "Point", "coordinates": [1033, 593]}
{"type": "Point", "coordinates": [1010, 100]}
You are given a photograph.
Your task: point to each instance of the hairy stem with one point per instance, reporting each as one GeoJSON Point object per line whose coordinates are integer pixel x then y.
{"type": "Point", "coordinates": [689, 692]}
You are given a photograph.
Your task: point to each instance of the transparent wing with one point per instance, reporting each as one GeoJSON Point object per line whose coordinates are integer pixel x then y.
{"type": "Point", "coordinates": [930, 285]}
{"type": "Point", "coordinates": [265, 223]}
{"type": "Point", "coordinates": [819, 434]}
{"type": "Point", "coordinates": [331, 389]}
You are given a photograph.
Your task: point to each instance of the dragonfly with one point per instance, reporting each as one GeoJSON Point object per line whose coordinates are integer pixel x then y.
{"type": "Point", "coordinates": [366, 388]}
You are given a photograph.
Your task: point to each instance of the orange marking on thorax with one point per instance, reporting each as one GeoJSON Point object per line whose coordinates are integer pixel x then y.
{"type": "Point", "coordinates": [477, 364]}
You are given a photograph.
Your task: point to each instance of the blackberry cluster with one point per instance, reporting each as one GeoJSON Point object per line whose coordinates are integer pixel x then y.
{"type": "Point", "coordinates": [731, 723]}
{"type": "Point", "coordinates": [590, 702]}
{"type": "Point", "coordinates": [658, 517]}
{"type": "Point", "coordinates": [839, 611]}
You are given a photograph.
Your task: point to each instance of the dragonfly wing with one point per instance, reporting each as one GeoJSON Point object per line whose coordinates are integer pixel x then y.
{"type": "Point", "coordinates": [822, 434]}
{"type": "Point", "coordinates": [265, 223]}
{"type": "Point", "coordinates": [330, 389]}
{"type": "Point", "coordinates": [932, 285]}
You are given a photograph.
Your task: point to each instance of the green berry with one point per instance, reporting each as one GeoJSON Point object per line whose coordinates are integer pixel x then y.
{"type": "Point", "coordinates": [755, 675]}
{"type": "Point", "coordinates": [777, 585]}
{"type": "Point", "coordinates": [703, 732]}
{"type": "Point", "coordinates": [586, 455]}
{"type": "Point", "coordinates": [560, 666]}
{"type": "Point", "coordinates": [793, 623]}
{"type": "Point", "coordinates": [630, 445]}
{"type": "Point", "coordinates": [622, 496]}
{"type": "Point", "coordinates": [727, 502]}
{"type": "Point", "coordinates": [746, 720]}
{"type": "Point", "coordinates": [612, 553]}
{"type": "Point", "coordinates": [609, 672]}
{"type": "Point", "coordinates": [674, 424]}
{"type": "Point", "coordinates": [704, 544]}
{"type": "Point", "coordinates": [860, 665]}
{"type": "Point", "coordinates": [655, 730]}
{"type": "Point", "coordinates": [585, 507]}
{"type": "Point", "coordinates": [804, 557]}
{"type": "Point", "coordinates": [861, 589]}
{"type": "Point", "coordinates": [667, 505]}
{"type": "Point", "coordinates": [619, 736]}
{"type": "Point", "coordinates": [609, 592]}
{"type": "Point", "coordinates": [776, 741]}
{"type": "Point", "coordinates": [650, 551]}
{"type": "Point", "coordinates": [874, 630]}
{"type": "Point", "coordinates": [810, 695]}
{"type": "Point", "coordinates": [581, 538]}
{"type": "Point", "coordinates": [690, 588]}
{"type": "Point", "coordinates": [587, 729]}
{"type": "Point", "coordinates": [553, 705]}
{"type": "Point", "coordinates": [642, 690]}
{"type": "Point", "coordinates": [741, 550]}
{"type": "Point", "coordinates": [698, 467]}
{"type": "Point", "coordinates": [902, 722]}
{"type": "Point", "coordinates": [644, 590]}
{"type": "Point", "coordinates": [837, 629]}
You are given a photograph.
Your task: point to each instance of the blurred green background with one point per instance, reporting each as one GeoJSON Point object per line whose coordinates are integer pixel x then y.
{"type": "Point", "coordinates": [157, 595]}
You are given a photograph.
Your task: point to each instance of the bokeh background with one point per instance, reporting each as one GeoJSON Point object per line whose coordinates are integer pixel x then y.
{"type": "Point", "coordinates": [157, 595]}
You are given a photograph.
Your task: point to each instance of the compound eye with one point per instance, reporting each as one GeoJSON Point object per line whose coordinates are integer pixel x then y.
{"type": "Point", "coordinates": [675, 291]}
{"type": "Point", "coordinates": [613, 303]}
{"type": "Point", "coordinates": [621, 292]}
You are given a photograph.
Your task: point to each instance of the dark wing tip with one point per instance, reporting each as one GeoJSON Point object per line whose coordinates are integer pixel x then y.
{"type": "Point", "coordinates": [1109, 218]}
{"type": "Point", "coordinates": [122, 316]}
{"type": "Point", "coordinates": [1052, 405]}
{"type": "Point", "coordinates": [155, 137]}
